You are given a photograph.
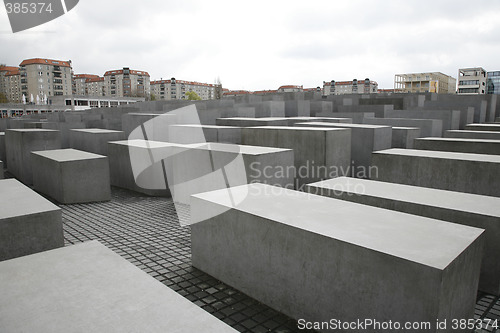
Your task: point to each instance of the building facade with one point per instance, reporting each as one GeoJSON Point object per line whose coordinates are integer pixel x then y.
{"type": "Point", "coordinates": [434, 82]}
{"type": "Point", "coordinates": [13, 82]}
{"type": "Point", "coordinates": [493, 83]}
{"type": "Point", "coordinates": [45, 78]}
{"type": "Point", "coordinates": [176, 89]}
{"type": "Point", "coordinates": [472, 81]}
{"type": "Point", "coordinates": [95, 86]}
{"type": "Point", "coordinates": [350, 87]}
{"type": "Point", "coordinates": [5, 77]}
{"type": "Point", "coordinates": [80, 83]}
{"type": "Point", "coordinates": [126, 82]}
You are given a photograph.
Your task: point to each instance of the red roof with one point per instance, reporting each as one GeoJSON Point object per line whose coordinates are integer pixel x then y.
{"type": "Point", "coordinates": [41, 61]}
{"type": "Point", "coordinates": [192, 83]}
{"type": "Point", "coordinates": [290, 87]}
{"type": "Point", "coordinates": [8, 68]}
{"type": "Point", "coordinates": [13, 72]}
{"type": "Point", "coordinates": [120, 71]}
{"type": "Point", "coordinates": [95, 79]}
{"type": "Point", "coordinates": [85, 76]}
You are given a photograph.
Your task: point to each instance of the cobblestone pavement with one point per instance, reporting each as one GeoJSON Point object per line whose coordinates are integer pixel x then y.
{"type": "Point", "coordinates": [146, 231]}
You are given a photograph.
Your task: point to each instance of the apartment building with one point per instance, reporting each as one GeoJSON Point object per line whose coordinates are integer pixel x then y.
{"type": "Point", "coordinates": [472, 81]}
{"type": "Point", "coordinates": [290, 88]}
{"type": "Point", "coordinates": [435, 82]}
{"type": "Point", "coordinates": [126, 82]}
{"type": "Point", "coordinates": [80, 83]}
{"type": "Point", "coordinates": [493, 83]}
{"type": "Point", "coordinates": [45, 78]}
{"type": "Point", "coordinates": [176, 89]}
{"type": "Point", "coordinates": [95, 86]}
{"type": "Point", "coordinates": [5, 71]}
{"type": "Point", "coordinates": [13, 82]}
{"type": "Point", "coordinates": [355, 86]}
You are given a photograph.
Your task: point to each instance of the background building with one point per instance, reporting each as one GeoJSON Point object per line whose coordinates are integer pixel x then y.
{"type": "Point", "coordinates": [350, 87]}
{"type": "Point", "coordinates": [176, 89]}
{"type": "Point", "coordinates": [45, 77]}
{"type": "Point", "coordinates": [472, 81]}
{"type": "Point", "coordinates": [80, 83]}
{"type": "Point", "coordinates": [493, 82]}
{"type": "Point", "coordinates": [434, 82]}
{"type": "Point", "coordinates": [95, 86]}
{"type": "Point", "coordinates": [13, 83]}
{"type": "Point", "coordinates": [5, 71]}
{"type": "Point", "coordinates": [126, 82]}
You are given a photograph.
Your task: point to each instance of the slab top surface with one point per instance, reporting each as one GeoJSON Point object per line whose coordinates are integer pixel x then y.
{"type": "Point", "coordinates": [66, 155]}
{"type": "Point", "coordinates": [405, 128]}
{"type": "Point", "coordinates": [89, 288]}
{"type": "Point", "coordinates": [484, 125]}
{"type": "Point", "coordinates": [95, 130]}
{"type": "Point", "coordinates": [418, 239]}
{"type": "Point", "coordinates": [205, 126]}
{"type": "Point", "coordinates": [30, 130]}
{"type": "Point", "coordinates": [441, 154]}
{"type": "Point", "coordinates": [264, 119]}
{"type": "Point", "coordinates": [344, 125]}
{"type": "Point", "coordinates": [300, 128]}
{"type": "Point", "coordinates": [458, 140]}
{"type": "Point", "coordinates": [466, 202]}
{"type": "Point", "coordinates": [473, 132]}
{"type": "Point", "coordinates": [17, 199]}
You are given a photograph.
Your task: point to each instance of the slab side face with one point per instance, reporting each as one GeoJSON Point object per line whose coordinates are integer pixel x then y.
{"type": "Point", "coordinates": [27, 228]}
{"type": "Point", "coordinates": [467, 209]}
{"type": "Point", "coordinates": [89, 286]}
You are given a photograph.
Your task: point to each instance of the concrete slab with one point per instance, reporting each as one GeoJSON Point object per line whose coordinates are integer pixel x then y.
{"type": "Point", "coordinates": [488, 135]}
{"type": "Point", "coordinates": [1, 170]}
{"type": "Point", "coordinates": [3, 154]}
{"type": "Point", "coordinates": [320, 153]}
{"type": "Point", "coordinates": [450, 118]}
{"type": "Point", "coordinates": [89, 287]}
{"type": "Point", "coordinates": [267, 109]}
{"type": "Point", "coordinates": [28, 222]}
{"type": "Point", "coordinates": [461, 172]}
{"type": "Point", "coordinates": [242, 111]}
{"type": "Point", "coordinates": [365, 139]}
{"type": "Point", "coordinates": [247, 122]}
{"type": "Point", "coordinates": [204, 133]}
{"type": "Point", "coordinates": [159, 127]}
{"type": "Point", "coordinates": [297, 108]}
{"type": "Point", "coordinates": [71, 176]}
{"type": "Point", "coordinates": [483, 127]}
{"type": "Point", "coordinates": [467, 209]}
{"type": "Point", "coordinates": [284, 249]}
{"type": "Point", "coordinates": [161, 169]}
{"type": "Point", "coordinates": [428, 127]}
{"type": "Point", "coordinates": [403, 137]}
{"type": "Point", "coordinates": [294, 120]}
{"type": "Point", "coordinates": [459, 145]}
{"type": "Point", "coordinates": [20, 143]}
{"type": "Point", "coordinates": [357, 117]}
{"type": "Point", "coordinates": [94, 140]}
{"type": "Point", "coordinates": [63, 129]}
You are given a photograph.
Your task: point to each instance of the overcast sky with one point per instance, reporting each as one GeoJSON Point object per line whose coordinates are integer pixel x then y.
{"type": "Point", "coordinates": [256, 45]}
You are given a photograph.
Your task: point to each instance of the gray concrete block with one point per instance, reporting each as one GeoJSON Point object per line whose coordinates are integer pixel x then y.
{"type": "Point", "coordinates": [466, 134]}
{"type": "Point", "coordinates": [428, 127]}
{"type": "Point", "coordinates": [318, 108]}
{"type": "Point", "coordinates": [17, 123]}
{"type": "Point", "coordinates": [3, 124]}
{"type": "Point", "coordinates": [365, 139]}
{"type": "Point", "coordinates": [459, 145]}
{"type": "Point", "coordinates": [204, 133]}
{"type": "Point", "coordinates": [34, 124]}
{"type": "Point", "coordinates": [378, 110]}
{"type": "Point", "coordinates": [297, 108]}
{"type": "Point", "coordinates": [239, 164]}
{"type": "Point", "coordinates": [467, 209]}
{"type": "Point", "coordinates": [403, 137]}
{"type": "Point", "coordinates": [89, 287]}
{"type": "Point", "coordinates": [20, 143]}
{"type": "Point", "coordinates": [404, 268]}
{"type": "Point", "coordinates": [483, 127]}
{"type": "Point", "coordinates": [71, 176]}
{"type": "Point", "coordinates": [268, 109]}
{"type": "Point", "coordinates": [28, 222]}
{"type": "Point", "coordinates": [63, 129]}
{"type": "Point", "coordinates": [93, 140]}
{"type": "Point", "coordinates": [159, 130]}
{"type": "Point", "coordinates": [1, 170]}
{"type": "Point", "coordinates": [320, 153]}
{"type": "Point", "coordinates": [293, 120]}
{"type": "Point", "coordinates": [247, 122]}
{"type": "Point", "coordinates": [451, 119]}
{"type": "Point", "coordinates": [242, 111]}
{"type": "Point", "coordinates": [357, 117]}
{"type": "Point", "coordinates": [3, 154]}
{"type": "Point", "coordinates": [461, 172]}
{"type": "Point", "coordinates": [150, 178]}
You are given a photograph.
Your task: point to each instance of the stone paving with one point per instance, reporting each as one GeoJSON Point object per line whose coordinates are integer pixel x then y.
{"type": "Point", "coordinates": [146, 231]}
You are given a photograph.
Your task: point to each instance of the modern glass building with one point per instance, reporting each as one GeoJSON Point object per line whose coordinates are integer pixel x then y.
{"type": "Point", "coordinates": [493, 83]}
